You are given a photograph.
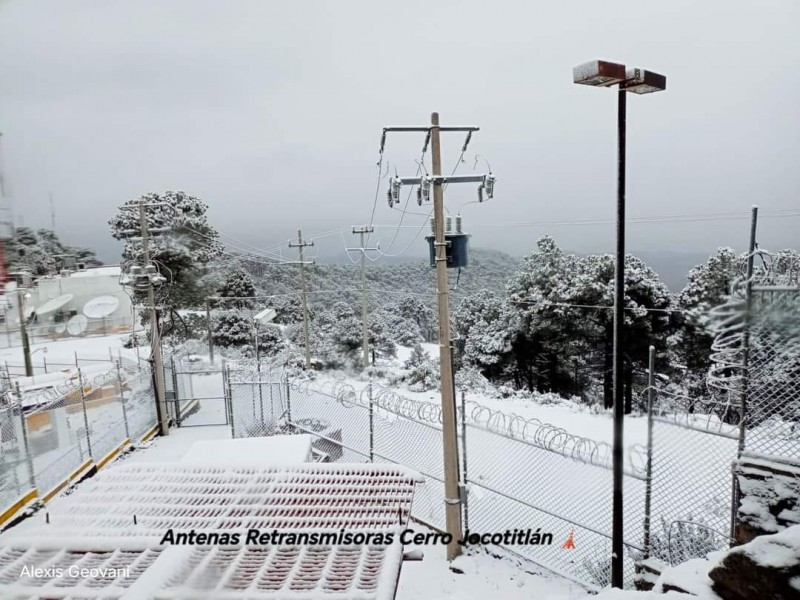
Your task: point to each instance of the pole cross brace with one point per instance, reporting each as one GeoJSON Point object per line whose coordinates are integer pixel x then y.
{"type": "Point", "coordinates": [444, 179]}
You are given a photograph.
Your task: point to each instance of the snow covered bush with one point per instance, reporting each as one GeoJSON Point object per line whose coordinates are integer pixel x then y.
{"type": "Point", "coordinates": [232, 328]}
{"type": "Point", "coordinates": [471, 379]}
{"type": "Point", "coordinates": [288, 310]}
{"type": "Point", "coordinates": [237, 286]}
{"type": "Point", "coordinates": [680, 540]}
{"type": "Point", "coordinates": [423, 316]}
{"type": "Point", "coordinates": [271, 340]}
{"type": "Point", "coordinates": [191, 326]}
{"type": "Point", "coordinates": [140, 338]}
{"type": "Point", "coordinates": [422, 372]}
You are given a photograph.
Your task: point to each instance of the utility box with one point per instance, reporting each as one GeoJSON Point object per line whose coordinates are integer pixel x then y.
{"type": "Point", "coordinates": [457, 249]}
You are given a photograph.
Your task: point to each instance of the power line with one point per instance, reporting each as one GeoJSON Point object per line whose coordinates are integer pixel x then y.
{"type": "Point", "coordinates": [681, 218]}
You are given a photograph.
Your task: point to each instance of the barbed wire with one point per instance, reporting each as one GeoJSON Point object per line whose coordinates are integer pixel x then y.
{"type": "Point", "coordinates": [529, 430]}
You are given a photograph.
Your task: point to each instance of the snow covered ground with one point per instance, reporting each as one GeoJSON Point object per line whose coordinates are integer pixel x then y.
{"type": "Point", "coordinates": [61, 353]}
{"type": "Point", "coordinates": [483, 575]}
{"type": "Point", "coordinates": [479, 577]}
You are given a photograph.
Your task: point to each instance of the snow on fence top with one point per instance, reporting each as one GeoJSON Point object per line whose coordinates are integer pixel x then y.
{"type": "Point", "coordinates": [530, 430]}
{"type": "Point", "coordinates": [105, 540]}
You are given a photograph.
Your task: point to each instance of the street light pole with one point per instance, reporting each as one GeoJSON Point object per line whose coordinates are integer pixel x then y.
{"type": "Point", "coordinates": [601, 73]}
{"type": "Point", "coordinates": [617, 532]}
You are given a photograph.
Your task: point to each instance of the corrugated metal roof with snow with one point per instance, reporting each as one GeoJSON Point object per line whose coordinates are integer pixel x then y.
{"type": "Point", "coordinates": [94, 528]}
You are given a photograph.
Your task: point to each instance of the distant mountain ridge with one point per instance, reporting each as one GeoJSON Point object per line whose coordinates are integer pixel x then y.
{"type": "Point", "coordinates": [671, 266]}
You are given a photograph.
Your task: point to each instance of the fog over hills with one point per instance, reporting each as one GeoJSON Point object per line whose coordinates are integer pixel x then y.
{"type": "Point", "coordinates": [672, 266]}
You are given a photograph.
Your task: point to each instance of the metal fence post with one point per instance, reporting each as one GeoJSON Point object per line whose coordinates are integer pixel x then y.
{"type": "Point", "coordinates": [28, 457]}
{"type": "Point", "coordinates": [85, 416]}
{"type": "Point", "coordinates": [371, 424]}
{"type": "Point", "coordinates": [288, 402]}
{"type": "Point", "coordinates": [44, 362]}
{"type": "Point", "coordinates": [226, 385]}
{"type": "Point", "coordinates": [649, 473]}
{"type": "Point", "coordinates": [122, 402]}
{"type": "Point", "coordinates": [175, 395]}
{"type": "Point", "coordinates": [76, 359]}
{"type": "Point", "coordinates": [465, 498]}
{"type": "Point", "coordinates": [745, 384]}
{"type": "Point", "coordinates": [271, 404]}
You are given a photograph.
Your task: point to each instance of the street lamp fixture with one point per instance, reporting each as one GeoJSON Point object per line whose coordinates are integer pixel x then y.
{"type": "Point", "coordinates": [640, 81]}
{"type": "Point", "coordinates": [601, 73]}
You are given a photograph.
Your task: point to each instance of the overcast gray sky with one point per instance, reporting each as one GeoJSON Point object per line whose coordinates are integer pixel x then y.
{"type": "Point", "coordinates": [271, 112]}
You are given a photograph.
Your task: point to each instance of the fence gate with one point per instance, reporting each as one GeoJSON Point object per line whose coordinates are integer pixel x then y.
{"type": "Point", "coordinates": [197, 395]}
{"type": "Point", "coordinates": [257, 402]}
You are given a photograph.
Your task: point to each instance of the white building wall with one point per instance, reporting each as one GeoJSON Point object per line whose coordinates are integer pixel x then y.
{"type": "Point", "coordinates": [84, 286]}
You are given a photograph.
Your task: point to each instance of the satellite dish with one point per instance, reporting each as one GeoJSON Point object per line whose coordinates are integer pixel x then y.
{"type": "Point", "coordinates": [77, 325]}
{"type": "Point", "coordinates": [60, 328]}
{"type": "Point", "coordinates": [101, 307]}
{"type": "Point", "coordinates": [54, 304]}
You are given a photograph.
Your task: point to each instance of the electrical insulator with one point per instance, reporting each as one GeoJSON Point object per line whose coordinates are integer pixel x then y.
{"type": "Point", "coordinates": [419, 196]}
{"type": "Point", "coordinates": [480, 193]}
{"type": "Point", "coordinates": [489, 183]}
{"type": "Point", "coordinates": [433, 226]}
{"type": "Point", "coordinates": [448, 224]}
{"type": "Point", "coordinates": [425, 188]}
{"type": "Point", "coordinates": [458, 223]}
{"type": "Point", "coordinates": [389, 197]}
{"type": "Point", "coordinates": [395, 189]}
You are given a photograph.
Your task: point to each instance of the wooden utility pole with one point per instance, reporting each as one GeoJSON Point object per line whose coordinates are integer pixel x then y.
{"type": "Point", "coordinates": [449, 434]}
{"type": "Point", "coordinates": [208, 328]}
{"type": "Point", "coordinates": [364, 305]}
{"type": "Point", "coordinates": [437, 181]}
{"type": "Point", "coordinates": [23, 332]}
{"type": "Point", "coordinates": [155, 338]}
{"type": "Point", "coordinates": [300, 245]}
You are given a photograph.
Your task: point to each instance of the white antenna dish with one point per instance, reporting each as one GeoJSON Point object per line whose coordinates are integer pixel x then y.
{"type": "Point", "coordinates": [77, 325]}
{"type": "Point", "coordinates": [101, 307]}
{"type": "Point", "coordinates": [54, 304]}
{"type": "Point", "coordinates": [60, 328]}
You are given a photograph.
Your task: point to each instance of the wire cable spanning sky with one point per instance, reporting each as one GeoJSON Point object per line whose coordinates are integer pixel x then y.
{"type": "Point", "coordinates": [272, 113]}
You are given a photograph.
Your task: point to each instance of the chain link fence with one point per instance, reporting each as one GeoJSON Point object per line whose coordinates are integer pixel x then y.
{"type": "Point", "coordinates": [773, 383]}
{"type": "Point", "coordinates": [515, 473]}
{"type": "Point", "coordinates": [53, 435]}
{"type": "Point", "coordinates": [258, 398]}
{"type": "Point", "coordinates": [196, 393]}
{"type": "Point", "coordinates": [690, 480]}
